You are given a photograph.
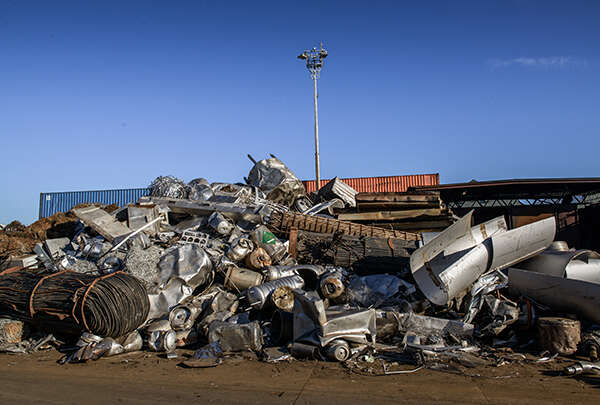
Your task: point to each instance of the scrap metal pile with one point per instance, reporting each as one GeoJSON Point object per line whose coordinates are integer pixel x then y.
{"type": "Point", "coordinates": [263, 268]}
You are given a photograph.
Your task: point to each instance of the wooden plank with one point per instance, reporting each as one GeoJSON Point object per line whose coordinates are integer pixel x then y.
{"type": "Point", "coordinates": [386, 215]}
{"type": "Point", "coordinates": [394, 205]}
{"type": "Point", "coordinates": [398, 197]}
{"type": "Point", "coordinates": [416, 226]}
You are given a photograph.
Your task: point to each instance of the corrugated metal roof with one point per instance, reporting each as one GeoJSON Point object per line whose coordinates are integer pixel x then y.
{"type": "Point", "coordinates": [382, 184]}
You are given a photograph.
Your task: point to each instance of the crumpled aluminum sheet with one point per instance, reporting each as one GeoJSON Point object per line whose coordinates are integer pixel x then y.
{"type": "Point", "coordinates": [168, 186]}
{"type": "Point", "coordinates": [236, 337]}
{"type": "Point", "coordinates": [181, 270]}
{"type": "Point", "coordinates": [316, 326]}
{"type": "Point", "coordinates": [92, 347]}
{"type": "Point", "coordinates": [427, 325]}
{"type": "Point", "coordinates": [501, 313]}
{"type": "Point", "coordinates": [484, 285]}
{"type": "Point", "coordinates": [187, 262]}
{"type": "Point", "coordinates": [371, 291]}
{"type": "Point", "coordinates": [279, 183]}
{"type": "Point", "coordinates": [210, 355]}
{"type": "Point", "coordinates": [217, 304]}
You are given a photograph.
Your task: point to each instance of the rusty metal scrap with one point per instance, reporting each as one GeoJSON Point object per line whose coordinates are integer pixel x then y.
{"type": "Point", "coordinates": [284, 222]}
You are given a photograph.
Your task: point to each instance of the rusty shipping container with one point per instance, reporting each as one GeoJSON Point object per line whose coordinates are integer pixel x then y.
{"type": "Point", "coordinates": [383, 184]}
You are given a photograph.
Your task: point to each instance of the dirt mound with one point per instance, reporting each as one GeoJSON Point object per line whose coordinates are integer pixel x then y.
{"type": "Point", "coordinates": [58, 225]}
{"type": "Point", "coordinates": [17, 239]}
{"type": "Point", "coordinates": [15, 246]}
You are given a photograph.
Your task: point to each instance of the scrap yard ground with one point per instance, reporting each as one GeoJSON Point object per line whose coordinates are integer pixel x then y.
{"type": "Point", "coordinates": [142, 378]}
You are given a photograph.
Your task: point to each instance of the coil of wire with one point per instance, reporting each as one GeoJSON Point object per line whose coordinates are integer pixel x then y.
{"type": "Point", "coordinates": [70, 303]}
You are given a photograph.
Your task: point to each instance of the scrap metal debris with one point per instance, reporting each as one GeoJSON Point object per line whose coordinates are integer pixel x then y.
{"type": "Point", "coordinates": [228, 269]}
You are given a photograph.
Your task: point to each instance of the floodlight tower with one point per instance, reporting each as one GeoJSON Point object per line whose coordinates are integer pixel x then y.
{"type": "Point", "coordinates": [314, 62]}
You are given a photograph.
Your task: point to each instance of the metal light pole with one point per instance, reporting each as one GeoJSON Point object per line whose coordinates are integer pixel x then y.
{"type": "Point", "coordinates": [314, 62]}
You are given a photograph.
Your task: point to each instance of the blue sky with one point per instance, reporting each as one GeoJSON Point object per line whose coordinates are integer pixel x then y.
{"type": "Point", "coordinates": [107, 94]}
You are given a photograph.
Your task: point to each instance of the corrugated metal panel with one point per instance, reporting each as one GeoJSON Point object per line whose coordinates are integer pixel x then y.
{"type": "Point", "coordinates": [51, 203]}
{"type": "Point", "coordinates": [384, 184]}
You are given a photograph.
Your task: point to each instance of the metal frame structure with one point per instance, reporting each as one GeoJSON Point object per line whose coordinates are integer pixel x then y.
{"type": "Point", "coordinates": [314, 62]}
{"type": "Point", "coordinates": [558, 193]}
{"type": "Point", "coordinates": [541, 200]}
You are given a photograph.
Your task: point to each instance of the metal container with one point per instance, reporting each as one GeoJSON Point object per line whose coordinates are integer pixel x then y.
{"type": "Point", "coordinates": [258, 296]}
{"type": "Point", "coordinates": [258, 259]}
{"type": "Point", "coordinates": [265, 239]}
{"type": "Point", "coordinates": [332, 285]}
{"type": "Point", "coordinates": [309, 272]}
{"type": "Point", "coordinates": [51, 203]}
{"type": "Point", "coordinates": [304, 351]}
{"type": "Point", "coordinates": [275, 272]}
{"type": "Point", "coordinates": [187, 337]}
{"type": "Point", "coordinates": [220, 224]}
{"type": "Point", "coordinates": [242, 279]}
{"type": "Point", "coordinates": [240, 248]}
{"type": "Point", "coordinates": [162, 341]}
{"type": "Point", "coordinates": [283, 298]}
{"type": "Point", "coordinates": [337, 350]}
{"type": "Point", "coordinates": [182, 317]}
{"type": "Point", "coordinates": [133, 342]}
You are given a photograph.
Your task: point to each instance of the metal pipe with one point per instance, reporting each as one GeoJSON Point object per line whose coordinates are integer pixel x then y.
{"type": "Point", "coordinates": [582, 367]}
{"type": "Point", "coordinates": [317, 168]}
{"type": "Point", "coordinates": [132, 234]}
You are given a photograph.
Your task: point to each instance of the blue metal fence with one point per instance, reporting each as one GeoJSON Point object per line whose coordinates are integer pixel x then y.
{"type": "Point", "coordinates": [51, 203]}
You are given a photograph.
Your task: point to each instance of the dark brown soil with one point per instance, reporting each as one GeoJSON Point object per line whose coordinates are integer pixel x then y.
{"type": "Point", "coordinates": [146, 378]}
{"type": "Point", "coordinates": [17, 239]}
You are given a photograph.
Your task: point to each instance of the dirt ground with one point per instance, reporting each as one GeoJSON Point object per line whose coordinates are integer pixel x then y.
{"type": "Point", "coordinates": [146, 378]}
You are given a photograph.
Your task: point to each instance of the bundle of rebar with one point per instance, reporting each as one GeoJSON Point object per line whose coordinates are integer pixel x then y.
{"type": "Point", "coordinates": [70, 303]}
{"type": "Point", "coordinates": [366, 255]}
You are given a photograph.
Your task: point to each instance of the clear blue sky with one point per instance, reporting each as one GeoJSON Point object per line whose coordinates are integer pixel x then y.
{"type": "Point", "coordinates": [111, 94]}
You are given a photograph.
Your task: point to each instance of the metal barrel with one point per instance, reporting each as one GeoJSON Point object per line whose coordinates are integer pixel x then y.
{"type": "Point", "coordinates": [337, 350]}
{"type": "Point", "coordinates": [242, 279]}
{"type": "Point", "coordinates": [258, 296]}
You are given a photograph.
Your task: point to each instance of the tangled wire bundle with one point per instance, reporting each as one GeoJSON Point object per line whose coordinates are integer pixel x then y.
{"type": "Point", "coordinates": [68, 302]}
{"type": "Point", "coordinates": [168, 186]}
